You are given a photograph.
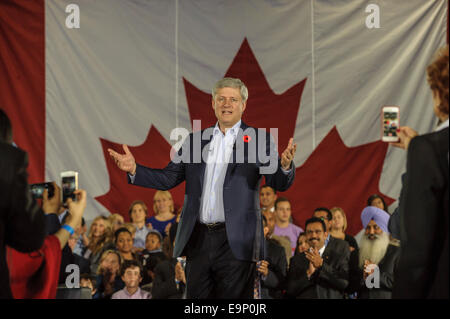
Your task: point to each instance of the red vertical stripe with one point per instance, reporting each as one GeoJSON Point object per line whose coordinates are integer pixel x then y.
{"type": "Point", "coordinates": [22, 77]}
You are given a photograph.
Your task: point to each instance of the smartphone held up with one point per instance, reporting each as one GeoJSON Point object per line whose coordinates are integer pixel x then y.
{"type": "Point", "coordinates": [37, 190]}
{"type": "Point", "coordinates": [69, 184]}
{"type": "Point", "coordinates": [390, 123]}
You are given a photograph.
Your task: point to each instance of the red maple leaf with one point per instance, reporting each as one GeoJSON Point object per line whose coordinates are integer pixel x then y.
{"type": "Point", "coordinates": [337, 175]}
{"type": "Point", "coordinates": [333, 175]}
{"type": "Point", "coordinates": [154, 152]}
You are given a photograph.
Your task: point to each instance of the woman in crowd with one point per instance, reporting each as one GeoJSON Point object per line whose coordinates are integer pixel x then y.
{"type": "Point", "coordinates": [377, 201]}
{"type": "Point", "coordinates": [99, 241]}
{"type": "Point", "coordinates": [302, 244]}
{"type": "Point", "coordinates": [164, 218]}
{"type": "Point", "coordinates": [338, 227]}
{"type": "Point", "coordinates": [124, 244]}
{"type": "Point", "coordinates": [108, 275]}
{"type": "Point", "coordinates": [116, 222]}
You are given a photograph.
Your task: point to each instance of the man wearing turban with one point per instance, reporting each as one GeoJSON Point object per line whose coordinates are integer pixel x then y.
{"type": "Point", "coordinates": [378, 255]}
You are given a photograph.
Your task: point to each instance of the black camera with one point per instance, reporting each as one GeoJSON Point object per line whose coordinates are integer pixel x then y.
{"type": "Point", "coordinates": [37, 190]}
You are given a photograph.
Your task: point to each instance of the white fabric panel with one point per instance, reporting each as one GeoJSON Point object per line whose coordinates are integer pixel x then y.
{"type": "Point", "coordinates": [112, 78]}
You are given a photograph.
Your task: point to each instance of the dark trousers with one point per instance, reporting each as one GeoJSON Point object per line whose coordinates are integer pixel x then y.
{"type": "Point", "coordinates": [212, 271]}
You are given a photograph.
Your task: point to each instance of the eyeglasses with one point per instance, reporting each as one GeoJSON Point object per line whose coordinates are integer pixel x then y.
{"type": "Point", "coordinates": [232, 100]}
{"type": "Point", "coordinates": [310, 232]}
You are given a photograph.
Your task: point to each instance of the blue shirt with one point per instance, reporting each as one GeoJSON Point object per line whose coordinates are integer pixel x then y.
{"type": "Point", "coordinates": [140, 236]}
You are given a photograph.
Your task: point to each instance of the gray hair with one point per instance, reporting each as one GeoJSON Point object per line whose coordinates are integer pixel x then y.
{"type": "Point", "coordinates": [231, 83]}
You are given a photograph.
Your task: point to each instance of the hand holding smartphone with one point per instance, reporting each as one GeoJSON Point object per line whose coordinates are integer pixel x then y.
{"type": "Point", "coordinates": [69, 184]}
{"type": "Point", "coordinates": [390, 123]}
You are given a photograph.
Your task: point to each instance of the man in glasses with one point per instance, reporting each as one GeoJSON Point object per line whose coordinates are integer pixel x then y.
{"type": "Point", "coordinates": [322, 271]}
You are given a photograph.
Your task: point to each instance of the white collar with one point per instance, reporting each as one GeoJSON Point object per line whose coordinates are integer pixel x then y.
{"type": "Point", "coordinates": [442, 126]}
{"type": "Point", "coordinates": [233, 131]}
{"type": "Point", "coordinates": [321, 250]}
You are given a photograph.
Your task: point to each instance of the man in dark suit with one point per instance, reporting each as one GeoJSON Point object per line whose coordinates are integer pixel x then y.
{"type": "Point", "coordinates": [273, 269]}
{"type": "Point", "coordinates": [423, 207]}
{"type": "Point", "coordinates": [321, 272]}
{"type": "Point", "coordinates": [22, 222]}
{"type": "Point", "coordinates": [220, 229]}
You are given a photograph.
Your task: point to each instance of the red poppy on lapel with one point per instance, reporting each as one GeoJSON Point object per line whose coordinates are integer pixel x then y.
{"type": "Point", "coordinates": [247, 138]}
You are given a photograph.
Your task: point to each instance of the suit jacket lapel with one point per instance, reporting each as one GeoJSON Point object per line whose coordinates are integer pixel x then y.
{"type": "Point", "coordinates": [204, 143]}
{"type": "Point", "coordinates": [327, 252]}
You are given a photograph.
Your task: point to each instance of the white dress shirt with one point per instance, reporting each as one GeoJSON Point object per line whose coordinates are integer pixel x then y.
{"type": "Point", "coordinates": [220, 150]}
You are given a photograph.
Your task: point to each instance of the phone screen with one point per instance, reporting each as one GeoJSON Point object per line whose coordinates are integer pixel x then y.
{"type": "Point", "coordinates": [68, 187]}
{"type": "Point", "coordinates": [390, 123]}
{"type": "Point", "coordinates": [37, 190]}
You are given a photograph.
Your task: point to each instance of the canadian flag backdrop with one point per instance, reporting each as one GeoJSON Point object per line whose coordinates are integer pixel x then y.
{"type": "Point", "coordinates": [134, 70]}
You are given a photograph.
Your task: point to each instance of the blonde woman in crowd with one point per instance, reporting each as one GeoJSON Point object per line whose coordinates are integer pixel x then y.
{"type": "Point", "coordinates": [163, 207]}
{"type": "Point", "coordinates": [116, 221]}
{"type": "Point", "coordinates": [99, 240]}
{"type": "Point", "coordinates": [339, 226]}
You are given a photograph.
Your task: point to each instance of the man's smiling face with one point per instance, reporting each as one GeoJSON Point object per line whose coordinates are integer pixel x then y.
{"type": "Point", "coordinates": [228, 106]}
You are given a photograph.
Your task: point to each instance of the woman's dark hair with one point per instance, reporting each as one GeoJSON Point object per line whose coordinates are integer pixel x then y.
{"type": "Point", "coordinates": [296, 246]}
{"type": "Point", "coordinates": [5, 128]}
{"type": "Point", "coordinates": [121, 230]}
{"type": "Point", "coordinates": [375, 196]}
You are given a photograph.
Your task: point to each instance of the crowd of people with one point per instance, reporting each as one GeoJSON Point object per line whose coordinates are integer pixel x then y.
{"type": "Point", "coordinates": [319, 260]}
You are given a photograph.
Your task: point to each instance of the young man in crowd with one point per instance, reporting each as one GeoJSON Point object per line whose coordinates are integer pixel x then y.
{"type": "Point", "coordinates": [131, 273]}
{"type": "Point", "coordinates": [321, 272]}
{"type": "Point", "coordinates": [138, 214]}
{"type": "Point", "coordinates": [283, 226]}
{"type": "Point", "coordinates": [273, 269]}
{"type": "Point", "coordinates": [283, 241]}
{"type": "Point", "coordinates": [267, 198]}
{"type": "Point", "coordinates": [378, 255]}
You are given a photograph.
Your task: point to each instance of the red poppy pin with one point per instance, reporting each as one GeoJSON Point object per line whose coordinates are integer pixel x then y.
{"type": "Point", "coordinates": [247, 138]}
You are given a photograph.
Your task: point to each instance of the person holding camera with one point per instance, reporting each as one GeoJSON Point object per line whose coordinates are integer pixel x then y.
{"type": "Point", "coordinates": [35, 275]}
{"type": "Point", "coordinates": [22, 222]}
